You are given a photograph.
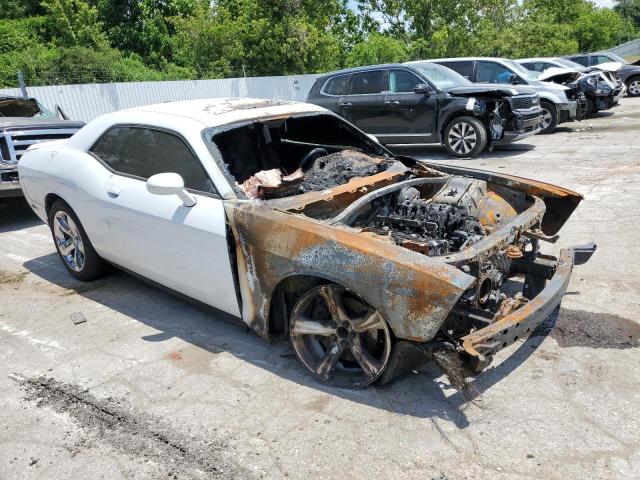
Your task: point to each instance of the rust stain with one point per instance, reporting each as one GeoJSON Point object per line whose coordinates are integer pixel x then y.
{"type": "Point", "coordinates": [175, 356]}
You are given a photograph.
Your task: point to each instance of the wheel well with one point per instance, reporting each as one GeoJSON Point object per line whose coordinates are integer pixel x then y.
{"type": "Point", "coordinates": [453, 116]}
{"type": "Point", "coordinates": [284, 297]}
{"type": "Point", "coordinates": [632, 78]}
{"type": "Point", "coordinates": [49, 200]}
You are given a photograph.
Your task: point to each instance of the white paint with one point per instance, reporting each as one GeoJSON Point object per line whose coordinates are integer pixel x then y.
{"type": "Point", "coordinates": [181, 247]}
{"type": "Point", "coordinates": [35, 341]}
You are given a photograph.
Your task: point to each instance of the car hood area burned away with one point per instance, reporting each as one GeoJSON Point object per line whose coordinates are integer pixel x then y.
{"type": "Point", "coordinates": [441, 252]}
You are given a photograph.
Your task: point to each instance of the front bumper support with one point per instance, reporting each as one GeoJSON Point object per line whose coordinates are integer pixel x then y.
{"type": "Point", "coordinates": [480, 346]}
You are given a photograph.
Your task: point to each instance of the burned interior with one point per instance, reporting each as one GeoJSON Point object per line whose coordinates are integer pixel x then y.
{"type": "Point", "coordinates": [304, 179]}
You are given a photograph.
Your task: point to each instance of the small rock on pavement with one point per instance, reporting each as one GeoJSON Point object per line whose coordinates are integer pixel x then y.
{"type": "Point", "coordinates": [77, 318]}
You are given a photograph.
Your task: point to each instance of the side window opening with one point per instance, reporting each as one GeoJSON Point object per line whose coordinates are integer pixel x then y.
{"type": "Point", "coordinates": [371, 82]}
{"type": "Point", "coordinates": [337, 85]}
{"type": "Point", "coordinates": [490, 72]}
{"type": "Point", "coordinates": [402, 81]}
{"type": "Point", "coordinates": [143, 152]}
{"type": "Point", "coordinates": [464, 68]}
{"type": "Point", "coordinates": [584, 61]}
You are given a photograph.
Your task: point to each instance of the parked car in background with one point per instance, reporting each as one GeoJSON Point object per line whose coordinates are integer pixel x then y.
{"type": "Point", "coordinates": [595, 87]}
{"type": "Point", "coordinates": [287, 216]}
{"type": "Point", "coordinates": [557, 101]}
{"type": "Point", "coordinates": [629, 74]}
{"type": "Point", "coordinates": [426, 103]}
{"type": "Point", "coordinates": [25, 122]}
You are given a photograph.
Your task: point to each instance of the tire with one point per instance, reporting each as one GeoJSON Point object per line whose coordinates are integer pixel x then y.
{"type": "Point", "coordinates": [339, 337]}
{"type": "Point", "coordinates": [465, 137]}
{"type": "Point", "coordinates": [80, 258]}
{"type": "Point", "coordinates": [633, 86]}
{"type": "Point", "coordinates": [549, 117]}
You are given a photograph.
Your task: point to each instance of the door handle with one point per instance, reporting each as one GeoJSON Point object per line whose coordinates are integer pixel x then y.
{"type": "Point", "coordinates": [345, 104]}
{"type": "Point", "coordinates": [392, 102]}
{"type": "Point", "coordinates": [113, 191]}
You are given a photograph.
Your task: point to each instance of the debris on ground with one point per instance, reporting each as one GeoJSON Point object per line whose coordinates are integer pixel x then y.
{"type": "Point", "coordinates": [134, 433]}
{"type": "Point", "coordinates": [454, 369]}
{"type": "Point", "coordinates": [77, 318]}
{"type": "Point", "coordinates": [9, 277]}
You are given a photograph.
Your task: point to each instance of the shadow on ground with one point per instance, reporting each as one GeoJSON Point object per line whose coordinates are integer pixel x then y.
{"type": "Point", "coordinates": [421, 395]}
{"type": "Point", "coordinates": [16, 214]}
{"type": "Point", "coordinates": [437, 152]}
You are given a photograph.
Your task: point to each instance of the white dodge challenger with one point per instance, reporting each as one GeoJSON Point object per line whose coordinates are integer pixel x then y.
{"type": "Point", "coordinates": [293, 220]}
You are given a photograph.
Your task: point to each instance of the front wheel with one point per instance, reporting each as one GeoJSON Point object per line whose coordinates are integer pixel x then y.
{"type": "Point", "coordinates": [549, 117]}
{"type": "Point", "coordinates": [633, 87]}
{"type": "Point", "coordinates": [339, 337]}
{"type": "Point", "coordinates": [74, 247]}
{"type": "Point", "coordinates": [465, 137]}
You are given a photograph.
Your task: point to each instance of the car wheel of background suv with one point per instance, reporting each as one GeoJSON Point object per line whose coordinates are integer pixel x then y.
{"type": "Point", "coordinates": [633, 86]}
{"type": "Point", "coordinates": [72, 243]}
{"type": "Point", "coordinates": [549, 117]}
{"type": "Point", "coordinates": [465, 137]}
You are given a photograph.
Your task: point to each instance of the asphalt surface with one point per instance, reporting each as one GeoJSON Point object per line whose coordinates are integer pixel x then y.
{"type": "Point", "coordinates": [151, 387]}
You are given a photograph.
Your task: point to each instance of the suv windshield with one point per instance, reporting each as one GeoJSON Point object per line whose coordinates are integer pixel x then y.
{"type": "Point", "coordinates": [442, 77]}
{"type": "Point", "coordinates": [617, 58]}
{"type": "Point", "coordinates": [520, 70]}
{"type": "Point", "coordinates": [570, 64]}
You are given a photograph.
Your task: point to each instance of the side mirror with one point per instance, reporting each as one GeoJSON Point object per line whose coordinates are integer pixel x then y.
{"type": "Point", "coordinates": [170, 184]}
{"type": "Point", "coordinates": [514, 79]}
{"type": "Point", "coordinates": [422, 88]}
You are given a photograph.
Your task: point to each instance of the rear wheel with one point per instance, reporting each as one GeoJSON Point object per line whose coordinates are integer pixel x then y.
{"type": "Point", "coordinates": [465, 137]}
{"type": "Point", "coordinates": [339, 337]}
{"type": "Point", "coordinates": [633, 87]}
{"type": "Point", "coordinates": [74, 247]}
{"type": "Point", "coordinates": [549, 117]}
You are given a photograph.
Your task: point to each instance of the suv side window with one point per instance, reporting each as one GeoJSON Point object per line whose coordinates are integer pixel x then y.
{"type": "Point", "coordinates": [402, 81]}
{"type": "Point", "coordinates": [492, 72]}
{"type": "Point", "coordinates": [363, 83]}
{"type": "Point", "coordinates": [464, 68]}
{"type": "Point", "coordinates": [602, 59]}
{"type": "Point", "coordinates": [337, 85]}
{"type": "Point", "coordinates": [584, 61]}
{"type": "Point", "coordinates": [143, 152]}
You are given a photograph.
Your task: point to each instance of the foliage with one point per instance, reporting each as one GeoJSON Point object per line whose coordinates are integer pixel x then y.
{"type": "Point", "coordinates": [73, 41]}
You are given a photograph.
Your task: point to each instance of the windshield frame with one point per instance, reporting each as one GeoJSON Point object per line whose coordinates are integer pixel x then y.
{"type": "Point", "coordinates": [423, 68]}
{"type": "Point", "coordinates": [520, 70]}
{"type": "Point", "coordinates": [616, 58]}
{"type": "Point", "coordinates": [566, 63]}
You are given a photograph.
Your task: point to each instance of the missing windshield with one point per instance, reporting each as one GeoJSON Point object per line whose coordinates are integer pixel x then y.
{"type": "Point", "coordinates": [288, 156]}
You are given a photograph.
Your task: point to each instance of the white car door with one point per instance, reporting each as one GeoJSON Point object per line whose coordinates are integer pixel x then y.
{"type": "Point", "coordinates": [157, 236]}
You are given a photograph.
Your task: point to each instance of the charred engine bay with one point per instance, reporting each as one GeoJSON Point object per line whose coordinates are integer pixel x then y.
{"type": "Point", "coordinates": [433, 216]}
{"type": "Point", "coordinates": [430, 228]}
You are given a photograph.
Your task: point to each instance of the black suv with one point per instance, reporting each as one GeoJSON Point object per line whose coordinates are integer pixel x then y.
{"type": "Point", "coordinates": [629, 74]}
{"type": "Point", "coordinates": [427, 103]}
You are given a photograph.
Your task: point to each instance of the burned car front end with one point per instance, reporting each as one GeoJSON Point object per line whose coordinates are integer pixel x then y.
{"type": "Point", "coordinates": [448, 257]}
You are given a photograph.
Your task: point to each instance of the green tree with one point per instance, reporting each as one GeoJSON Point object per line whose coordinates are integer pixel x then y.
{"type": "Point", "coordinates": [377, 49]}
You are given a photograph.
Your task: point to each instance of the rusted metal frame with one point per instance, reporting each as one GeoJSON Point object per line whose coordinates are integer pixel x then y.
{"type": "Point", "coordinates": [482, 344]}
{"type": "Point", "coordinates": [501, 238]}
{"type": "Point", "coordinates": [413, 292]}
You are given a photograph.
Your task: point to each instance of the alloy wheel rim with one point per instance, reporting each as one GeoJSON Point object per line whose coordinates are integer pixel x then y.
{"type": "Point", "coordinates": [462, 138]}
{"type": "Point", "coordinates": [339, 337]}
{"type": "Point", "coordinates": [634, 87]}
{"type": "Point", "coordinates": [546, 118]}
{"type": "Point", "coordinates": [68, 241]}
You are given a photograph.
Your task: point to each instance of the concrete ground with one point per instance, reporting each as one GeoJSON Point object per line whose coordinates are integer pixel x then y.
{"type": "Point", "coordinates": [151, 387]}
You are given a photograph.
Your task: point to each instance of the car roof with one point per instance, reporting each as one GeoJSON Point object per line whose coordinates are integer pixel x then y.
{"type": "Point", "coordinates": [458, 59]}
{"type": "Point", "coordinates": [221, 111]}
{"type": "Point", "coordinates": [537, 59]}
{"type": "Point", "coordinates": [364, 69]}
